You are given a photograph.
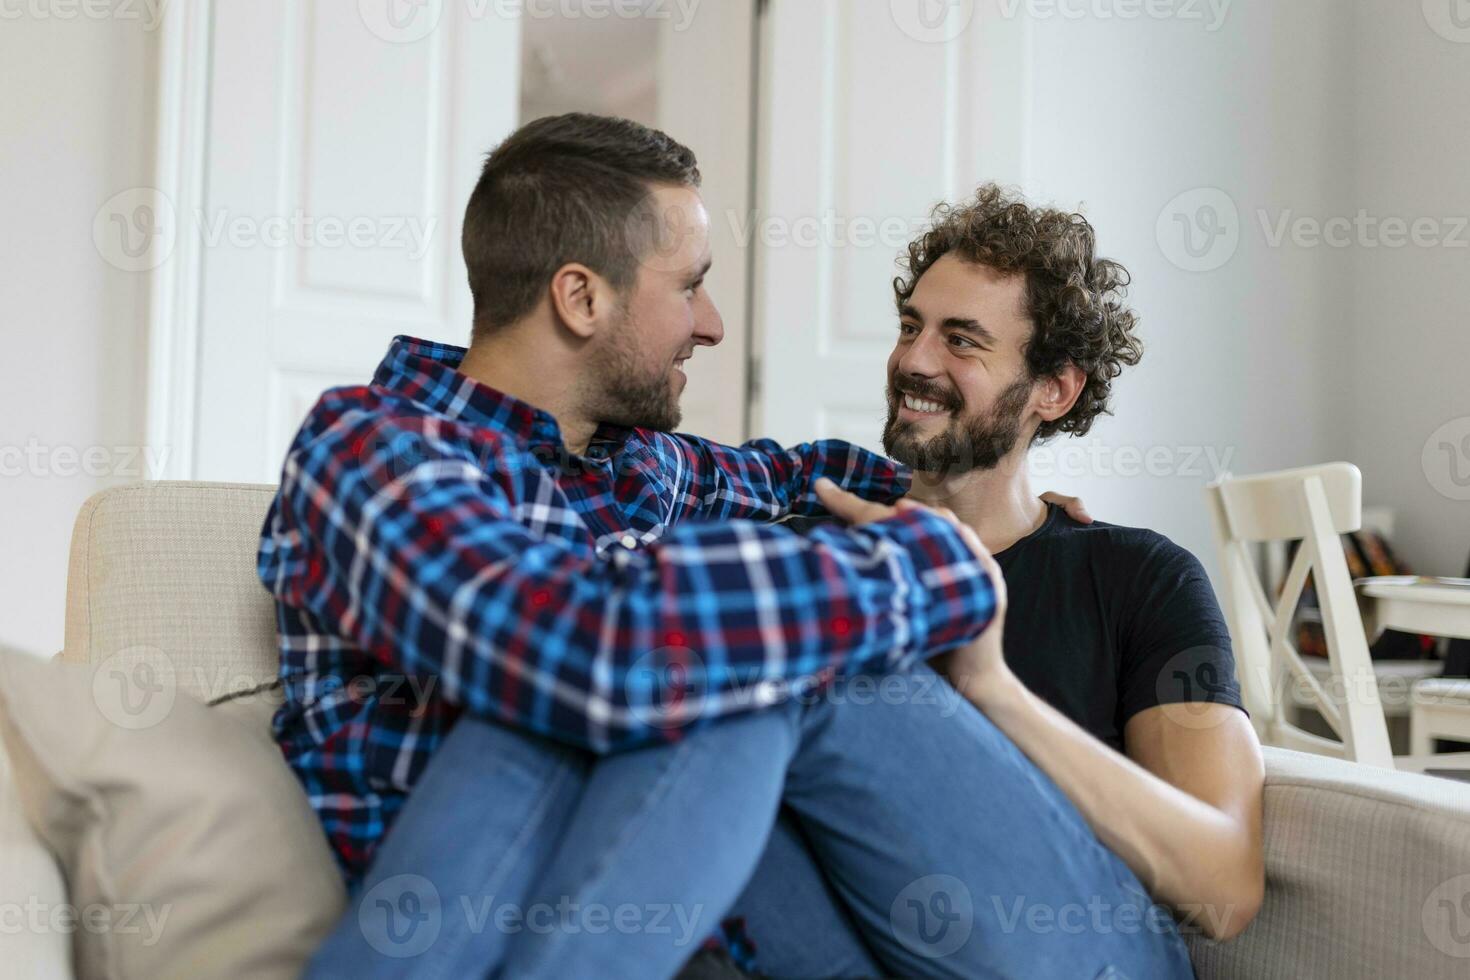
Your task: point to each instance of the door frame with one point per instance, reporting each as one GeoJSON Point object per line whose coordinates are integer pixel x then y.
{"type": "Point", "coordinates": [185, 54]}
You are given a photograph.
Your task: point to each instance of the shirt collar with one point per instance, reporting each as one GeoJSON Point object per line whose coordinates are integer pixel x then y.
{"type": "Point", "coordinates": [428, 372]}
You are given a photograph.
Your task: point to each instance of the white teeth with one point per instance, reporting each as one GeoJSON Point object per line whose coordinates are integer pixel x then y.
{"type": "Point", "coordinates": [918, 405]}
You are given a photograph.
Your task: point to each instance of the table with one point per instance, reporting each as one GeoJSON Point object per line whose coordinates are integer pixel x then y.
{"type": "Point", "coordinates": [1439, 607]}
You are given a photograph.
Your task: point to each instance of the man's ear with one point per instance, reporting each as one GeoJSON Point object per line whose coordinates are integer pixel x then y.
{"type": "Point", "coordinates": [1060, 392]}
{"type": "Point", "coordinates": [581, 299]}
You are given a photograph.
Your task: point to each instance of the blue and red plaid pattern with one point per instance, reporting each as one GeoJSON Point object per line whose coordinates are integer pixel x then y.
{"type": "Point", "coordinates": [434, 548]}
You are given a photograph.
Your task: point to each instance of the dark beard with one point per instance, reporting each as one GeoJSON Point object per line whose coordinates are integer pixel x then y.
{"type": "Point", "coordinates": [977, 444]}
{"type": "Point", "coordinates": [628, 397]}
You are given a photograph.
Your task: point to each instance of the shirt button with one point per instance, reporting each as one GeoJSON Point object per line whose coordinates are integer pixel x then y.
{"type": "Point", "coordinates": [629, 542]}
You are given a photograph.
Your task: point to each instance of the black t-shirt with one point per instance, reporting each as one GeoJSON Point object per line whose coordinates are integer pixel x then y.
{"type": "Point", "coordinates": [1105, 621]}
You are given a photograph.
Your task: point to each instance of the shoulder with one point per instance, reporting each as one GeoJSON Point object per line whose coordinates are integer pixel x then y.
{"type": "Point", "coordinates": [369, 429]}
{"type": "Point", "coordinates": [1139, 548]}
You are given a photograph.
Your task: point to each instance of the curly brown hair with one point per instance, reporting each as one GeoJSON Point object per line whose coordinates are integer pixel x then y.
{"type": "Point", "coordinates": [1073, 298]}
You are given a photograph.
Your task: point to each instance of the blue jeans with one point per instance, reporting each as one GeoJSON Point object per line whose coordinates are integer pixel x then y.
{"type": "Point", "coordinates": [915, 834]}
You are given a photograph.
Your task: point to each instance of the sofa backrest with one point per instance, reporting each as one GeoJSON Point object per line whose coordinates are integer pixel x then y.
{"type": "Point", "coordinates": [162, 574]}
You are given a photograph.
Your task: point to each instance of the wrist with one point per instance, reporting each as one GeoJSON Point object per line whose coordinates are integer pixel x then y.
{"type": "Point", "coordinates": [992, 687]}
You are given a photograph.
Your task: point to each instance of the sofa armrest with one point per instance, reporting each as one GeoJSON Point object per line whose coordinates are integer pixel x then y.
{"type": "Point", "coordinates": [1367, 875]}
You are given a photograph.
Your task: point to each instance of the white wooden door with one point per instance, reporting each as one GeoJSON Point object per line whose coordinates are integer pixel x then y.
{"type": "Point", "coordinates": [870, 113]}
{"type": "Point", "coordinates": [343, 140]}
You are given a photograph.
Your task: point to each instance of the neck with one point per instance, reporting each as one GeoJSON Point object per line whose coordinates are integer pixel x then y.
{"type": "Point", "coordinates": [536, 374]}
{"type": "Point", "coordinates": [997, 503]}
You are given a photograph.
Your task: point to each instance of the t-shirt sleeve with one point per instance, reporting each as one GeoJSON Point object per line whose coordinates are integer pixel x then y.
{"type": "Point", "coordinates": [1176, 647]}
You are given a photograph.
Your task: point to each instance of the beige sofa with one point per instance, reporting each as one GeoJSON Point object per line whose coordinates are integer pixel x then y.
{"type": "Point", "coordinates": [1368, 871]}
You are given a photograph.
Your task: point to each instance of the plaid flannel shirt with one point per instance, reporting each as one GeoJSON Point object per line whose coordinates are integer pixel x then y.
{"type": "Point", "coordinates": [434, 548]}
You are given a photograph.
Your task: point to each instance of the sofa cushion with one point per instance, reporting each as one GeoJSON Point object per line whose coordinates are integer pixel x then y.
{"type": "Point", "coordinates": [178, 827]}
{"type": "Point", "coordinates": [170, 568]}
{"type": "Point", "coordinates": [1367, 876]}
{"type": "Point", "coordinates": [35, 920]}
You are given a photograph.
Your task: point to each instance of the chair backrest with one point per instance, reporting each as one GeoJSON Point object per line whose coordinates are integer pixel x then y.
{"type": "Point", "coordinates": [163, 574]}
{"type": "Point", "coordinates": [1314, 505]}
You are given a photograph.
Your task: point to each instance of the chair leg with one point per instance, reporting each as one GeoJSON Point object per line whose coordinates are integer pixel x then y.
{"type": "Point", "coordinates": [1420, 741]}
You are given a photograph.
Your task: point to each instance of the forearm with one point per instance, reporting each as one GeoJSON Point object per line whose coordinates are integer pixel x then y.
{"type": "Point", "coordinates": [1188, 854]}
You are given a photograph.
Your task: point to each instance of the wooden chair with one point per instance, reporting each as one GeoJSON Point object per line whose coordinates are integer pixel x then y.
{"type": "Point", "coordinates": [1314, 505]}
{"type": "Point", "coordinates": [1440, 709]}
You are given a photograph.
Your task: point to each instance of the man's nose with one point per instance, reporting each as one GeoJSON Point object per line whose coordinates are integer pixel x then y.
{"type": "Point", "coordinates": [709, 326]}
{"type": "Point", "coordinates": [920, 359]}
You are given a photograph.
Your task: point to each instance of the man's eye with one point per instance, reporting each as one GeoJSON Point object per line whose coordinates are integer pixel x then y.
{"type": "Point", "coordinates": [907, 328]}
{"type": "Point", "coordinates": [962, 340]}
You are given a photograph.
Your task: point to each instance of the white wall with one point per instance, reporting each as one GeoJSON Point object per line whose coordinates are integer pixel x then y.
{"type": "Point", "coordinates": [1407, 372]}
{"type": "Point", "coordinates": [1293, 351]}
{"type": "Point", "coordinates": [76, 126]}
{"type": "Point", "coordinates": [1283, 356]}
{"type": "Point", "coordinates": [1125, 116]}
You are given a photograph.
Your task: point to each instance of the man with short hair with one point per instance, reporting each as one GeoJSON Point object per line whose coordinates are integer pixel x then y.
{"type": "Point", "coordinates": [570, 661]}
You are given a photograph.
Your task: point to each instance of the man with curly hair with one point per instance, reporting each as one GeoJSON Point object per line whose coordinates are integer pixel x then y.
{"type": "Point", "coordinates": [1113, 672]}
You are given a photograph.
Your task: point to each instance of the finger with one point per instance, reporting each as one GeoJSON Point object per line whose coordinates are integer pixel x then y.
{"type": "Point", "coordinates": [847, 506]}
{"type": "Point", "coordinates": [1074, 506]}
{"type": "Point", "coordinates": [907, 504]}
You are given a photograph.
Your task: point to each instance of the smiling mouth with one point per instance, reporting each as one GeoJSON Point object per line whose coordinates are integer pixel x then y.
{"type": "Point", "coordinates": [922, 406]}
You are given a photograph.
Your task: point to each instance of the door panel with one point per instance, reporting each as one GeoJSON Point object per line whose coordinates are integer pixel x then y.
{"type": "Point", "coordinates": [340, 156]}
{"type": "Point", "coordinates": [864, 128]}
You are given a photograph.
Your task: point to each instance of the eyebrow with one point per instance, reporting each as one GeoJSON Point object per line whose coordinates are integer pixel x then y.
{"type": "Point", "coordinates": [974, 327]}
